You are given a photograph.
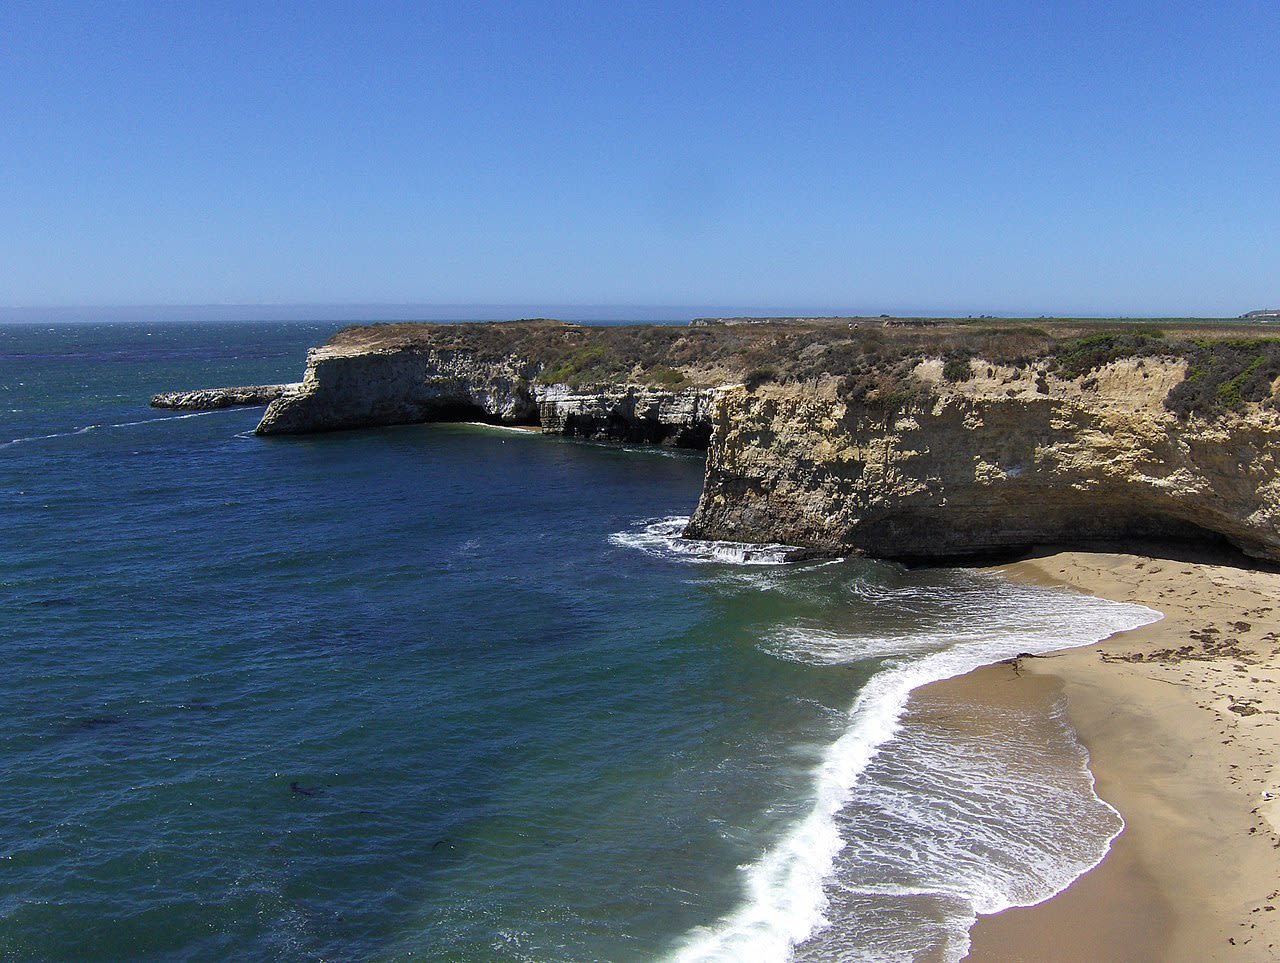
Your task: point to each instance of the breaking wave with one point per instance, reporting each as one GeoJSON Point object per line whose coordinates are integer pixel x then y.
{"type": "Point", "coordinates": [663, 538]}
{"type": "Point", "coordinates": [909, 839]}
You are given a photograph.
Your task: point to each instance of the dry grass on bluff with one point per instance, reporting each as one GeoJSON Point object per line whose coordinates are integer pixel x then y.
{"type": "Point", "coordinates": [1229, 363]}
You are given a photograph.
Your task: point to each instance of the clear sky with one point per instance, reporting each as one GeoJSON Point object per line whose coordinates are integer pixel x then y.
{"type": "Point", "coordinates": [1037, 157]}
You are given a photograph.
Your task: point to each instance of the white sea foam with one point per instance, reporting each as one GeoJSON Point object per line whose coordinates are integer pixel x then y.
{"type": "Point", "coordinates": [949, 821]}
{"type": "Point", "coordinates": [663, 538]}
{"type": "Point", "coordinates": [786, 891]}
{"type": "Point", "coordinates": [817, 646]}
{"type": "Point", "coordinates": [84, 430]}
{"type": "Point", "coordinates": [152, 421]}
{"type": "Point", "coordinates": [57, 434]}
{"type": "Point", "coordinates": [506, 428]}
{"type": "Point", "coordinates": [664, 451]}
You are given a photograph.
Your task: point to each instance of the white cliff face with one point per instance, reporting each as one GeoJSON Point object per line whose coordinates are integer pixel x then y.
{"type": "Point", "coordinates": [634, 413]}
{"type": "Point", "coordinates": [1006, 460]}
{"type": "Point", "coordinates": [352, 388]}
{"type": "Point", "coordinates": [209, 399]}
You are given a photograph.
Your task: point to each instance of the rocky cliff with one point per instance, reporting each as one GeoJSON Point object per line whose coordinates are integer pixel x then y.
{"type": "Point", "coordinates": [346, 387]}
{"type": "Point", "coordinates": [355, 388]}
{"type": "Point", "coordinates": [209, 399]}
{"type": "Point", "coordinates": [1005, 460]}
{"type": "Point", "coordinates": [633, 413]}
{"type": "Point", "coordinates": [916, 441]}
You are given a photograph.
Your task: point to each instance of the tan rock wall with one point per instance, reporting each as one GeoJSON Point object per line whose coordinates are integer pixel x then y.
{"type": "Point", "coordinates": [1005, 460]}
{"type": "Point", "coordinates": [362, 387]}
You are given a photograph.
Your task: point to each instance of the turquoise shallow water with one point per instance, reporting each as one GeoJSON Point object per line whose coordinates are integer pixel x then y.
{"type": "Point", "coordinates": [445, 692]}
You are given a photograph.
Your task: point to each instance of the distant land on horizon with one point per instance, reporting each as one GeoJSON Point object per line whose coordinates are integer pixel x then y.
{"type": "Point", "coordinates": [374, 312]}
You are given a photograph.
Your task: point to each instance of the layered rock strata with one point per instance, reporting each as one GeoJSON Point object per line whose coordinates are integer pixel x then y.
{"type": "Point", "coordinates": [352, 388]}
{"type": "Point", "coordinates": [631, 413]}
{"type": "Point", "coordinates": [1006, 460]}
{"type": "Point", "coordinates": [209, 399]}
{"type": "Point", "coordinates": [356, 388]}
{"type": "Point", "coordinates": [912, 460]}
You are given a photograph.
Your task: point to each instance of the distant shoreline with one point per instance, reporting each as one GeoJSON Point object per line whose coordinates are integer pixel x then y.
{"type": "Point", "coordinates": [371, 312]}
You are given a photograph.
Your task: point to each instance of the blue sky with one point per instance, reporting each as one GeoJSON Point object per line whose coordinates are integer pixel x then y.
{"type": "Point", "coordinates": [854, 157]}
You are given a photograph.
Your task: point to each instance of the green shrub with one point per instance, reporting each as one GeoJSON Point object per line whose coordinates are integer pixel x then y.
{"type": "Point", "coordinates": [664, 376]}
{"type": "Point", "coordinates": [572, 368]}
{"type": "Point", "coordinates": [1077, 358]}
{"type": "Point", "coordinates": [1224, 376]}
{"type": "Point", "coordinates": [957, 369]}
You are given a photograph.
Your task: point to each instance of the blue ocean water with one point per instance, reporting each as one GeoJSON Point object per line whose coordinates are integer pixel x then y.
{"type": "Point", "coordinates": [455, 692]}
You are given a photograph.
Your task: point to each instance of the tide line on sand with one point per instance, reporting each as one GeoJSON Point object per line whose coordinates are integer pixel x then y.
{"type": "Point", "coordinates": [1182, 722]}
{"type": "Point", "coordinates": [785, 901]}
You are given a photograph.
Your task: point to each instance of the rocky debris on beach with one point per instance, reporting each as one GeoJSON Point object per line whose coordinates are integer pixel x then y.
{"type": "Point", "coordinates": [1211, 648]}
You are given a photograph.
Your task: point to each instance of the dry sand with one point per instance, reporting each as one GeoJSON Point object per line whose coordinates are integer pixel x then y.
{"type": "Point", "coordinates": [1182, 722]}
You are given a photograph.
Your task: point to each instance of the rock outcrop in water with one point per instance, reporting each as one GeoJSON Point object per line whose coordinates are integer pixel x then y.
{"type": "Point", "coordinates": [345, 388]}
{"type": "Point", "coordinates": [210, 399]}
{"type": "Point", "coordinates": [909, 441]}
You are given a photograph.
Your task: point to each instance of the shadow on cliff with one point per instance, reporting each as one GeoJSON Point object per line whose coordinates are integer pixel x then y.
{"type": "Point", "coordinates": [1204, 548]}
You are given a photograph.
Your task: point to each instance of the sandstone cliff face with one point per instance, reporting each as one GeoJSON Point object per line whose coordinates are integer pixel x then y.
{"type": "Point", "coordinates": [356, 388]}
{"type": "Point", "coordinates": [345, 388]}
{"type": "Point", "coordinates": [1006, 460]}
{"type": "Point", "coordinates": [1009, 458]}
{"type": "Point", "coordinates": [632, 413]}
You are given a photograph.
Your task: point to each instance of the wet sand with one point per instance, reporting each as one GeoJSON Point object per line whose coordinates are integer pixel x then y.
{"type": "Point", "coordinates": [1182, 722]}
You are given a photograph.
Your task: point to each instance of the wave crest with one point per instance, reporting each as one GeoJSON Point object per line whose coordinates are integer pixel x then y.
{"type": "Point", "coordinates": [786, 896]}
{"type": "Point", "coordinates": [664, 538]}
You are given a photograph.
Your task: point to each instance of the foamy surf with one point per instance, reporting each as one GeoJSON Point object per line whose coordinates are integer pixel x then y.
{"type": "Point", "coordinates": [664, 538]}
{"type": "Point", "coordinates": [503, 428]}
{"type": "Point", "coordinates": [85, 429]}
{"type": "Point", "coordinates": [787, 892]}
{"type": "Point", "coordinates": [965, 811]}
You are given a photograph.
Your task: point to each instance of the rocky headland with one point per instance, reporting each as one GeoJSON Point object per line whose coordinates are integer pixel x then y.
{"type": "Point", "coordinates": [928, 439]}
{"type": "Point", "coordinates": [900, 438]}
{"type": "Point", "coordinates": [1004, 459]}
{"type": "Point", "coordinates": [210, 399]}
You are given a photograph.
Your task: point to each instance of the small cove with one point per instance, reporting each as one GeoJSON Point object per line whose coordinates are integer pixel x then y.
{"type": "Point", "coordinates": [524, 731]}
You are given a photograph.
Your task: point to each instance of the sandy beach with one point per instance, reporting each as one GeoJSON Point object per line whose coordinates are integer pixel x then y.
{"type": "Point", "coordinates": [1182, 722]}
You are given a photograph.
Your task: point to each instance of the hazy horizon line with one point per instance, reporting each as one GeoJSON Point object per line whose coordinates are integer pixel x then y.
{"type": "Point", "coordinates": [374, 311]}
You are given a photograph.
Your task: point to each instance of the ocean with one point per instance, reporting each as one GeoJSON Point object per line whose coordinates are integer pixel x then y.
{"type": "Point", "coordinates": [462, 693]}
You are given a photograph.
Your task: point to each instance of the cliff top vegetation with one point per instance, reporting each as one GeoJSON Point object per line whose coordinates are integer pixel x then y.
{"type": "Point", "coordinates": [1228, 364]}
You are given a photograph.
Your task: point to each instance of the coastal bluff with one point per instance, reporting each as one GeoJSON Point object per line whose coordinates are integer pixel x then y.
{"type": "Point", "coordinates": [1002, 461]}
{"type": "Point", "coordinates": [374, 377]}
{"type": "Point", "coordinates": [917, 442]}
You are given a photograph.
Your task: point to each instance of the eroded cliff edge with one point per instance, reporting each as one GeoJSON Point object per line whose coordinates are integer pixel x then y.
{"type": "Point", "coordinates": [1000, 462]}
{"type": "Point", "coordinates": [844, 435]}
{"type": "Point", "coordinates": [525, 376]}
